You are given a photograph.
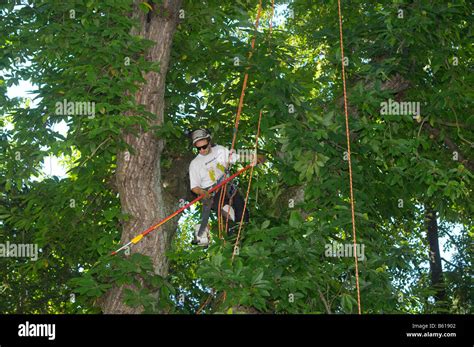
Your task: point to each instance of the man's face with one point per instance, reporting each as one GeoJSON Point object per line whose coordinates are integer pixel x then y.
{"type": "Point", "coordinates": [203, 143]}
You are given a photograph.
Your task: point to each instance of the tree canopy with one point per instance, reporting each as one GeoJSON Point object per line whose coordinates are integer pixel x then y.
{"type": "Point", "coordinates": [409, 90]}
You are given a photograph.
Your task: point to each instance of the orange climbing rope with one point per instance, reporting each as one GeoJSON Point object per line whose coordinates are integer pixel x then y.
{"type": "Point", "coordinates": [248, 191]}
{"type": "Point", "coordinates": [349, 155]}
{"type": "Point", "coordinates": [236, 123]}
{"type": "Point", "coordinates": [237, 119]}
{"type": "Point", "coordinates": [204, 304]}
{"type": "Point", "coordinates": [255, 152]}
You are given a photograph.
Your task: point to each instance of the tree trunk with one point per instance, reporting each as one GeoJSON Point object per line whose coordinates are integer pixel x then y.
{"type": "Point", "coordinates": [139, 178]}
{"type": "Point", "coordinates": [436, 269]}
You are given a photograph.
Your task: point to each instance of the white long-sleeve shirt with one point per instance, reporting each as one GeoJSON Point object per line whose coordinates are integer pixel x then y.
{"type": "Point", "coordinates": [205, 170]}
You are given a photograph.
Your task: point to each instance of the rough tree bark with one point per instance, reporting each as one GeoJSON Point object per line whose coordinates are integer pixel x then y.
{"type": "Point", "coordinates": [436, 269]}
{"type": "Point", "coordinates": [138, 176]}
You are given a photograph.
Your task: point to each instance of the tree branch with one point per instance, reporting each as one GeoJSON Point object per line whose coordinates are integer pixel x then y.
{"type": "Point", "coordinates": [451, 145]}
{"type": "Point", "coordinates": [448, 262]}
{"type": "Point", "coordinates": [326, 304]}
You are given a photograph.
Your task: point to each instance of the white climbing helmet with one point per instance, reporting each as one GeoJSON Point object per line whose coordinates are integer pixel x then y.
{"type": "Point", "coordinates": [200, 134]}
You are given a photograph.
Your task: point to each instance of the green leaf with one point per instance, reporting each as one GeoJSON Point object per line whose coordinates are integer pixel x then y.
{"type": "Point", "coordinates": [256, 279]}
{"type": "Point", "coordinates": [346, 303]}
{"type": "Point", "coordinates": [295, 219]}
{"type": "Point", "coordinates": [431, 190]}
{"type": "Point", "coordinates": [145, 7]}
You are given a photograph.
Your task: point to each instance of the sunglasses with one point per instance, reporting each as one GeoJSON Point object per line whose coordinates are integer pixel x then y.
{"type": "Point", "coordinates": [202, 147]}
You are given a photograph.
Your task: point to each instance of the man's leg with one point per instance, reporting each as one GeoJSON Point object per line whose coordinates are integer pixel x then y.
{"type": "Point", "coordinates": [206, 212]}
{"type": "Point", "coordinates": [238, 206]}
{"type": "Point", "coordinates": [217, 199]}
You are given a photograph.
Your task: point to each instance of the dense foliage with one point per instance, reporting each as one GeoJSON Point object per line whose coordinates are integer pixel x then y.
{"type": "Point", "coordinates": [403, 164]}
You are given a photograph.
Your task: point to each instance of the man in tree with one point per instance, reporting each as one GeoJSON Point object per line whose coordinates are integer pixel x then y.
{"type": "Point", "coordinates": [208, 169]}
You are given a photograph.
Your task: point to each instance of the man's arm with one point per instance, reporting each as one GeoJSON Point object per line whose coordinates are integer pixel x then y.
{"type": "Point", "coordinates": [194, 181]}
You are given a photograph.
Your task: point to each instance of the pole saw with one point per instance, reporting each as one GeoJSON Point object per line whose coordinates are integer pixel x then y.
{"type": "Point", "coordinates": [140, 236]}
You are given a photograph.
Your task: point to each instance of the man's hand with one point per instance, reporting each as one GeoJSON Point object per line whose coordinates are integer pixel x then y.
{"type": "Point", "coordinates": [199, 191]}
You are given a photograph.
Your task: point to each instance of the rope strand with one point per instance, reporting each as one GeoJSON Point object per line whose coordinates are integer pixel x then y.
{"type": "Point", "coordinates": [224, 189]}
{"type": "Point", "coordinates": [349, 156]}
{"type": "Point", "coordinates": [248, 190]}
{"type": "Point", "coordinates": [239, 110]}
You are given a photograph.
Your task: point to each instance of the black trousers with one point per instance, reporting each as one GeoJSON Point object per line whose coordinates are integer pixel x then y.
{"type": "Point", "coordinates": [213, 204]}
